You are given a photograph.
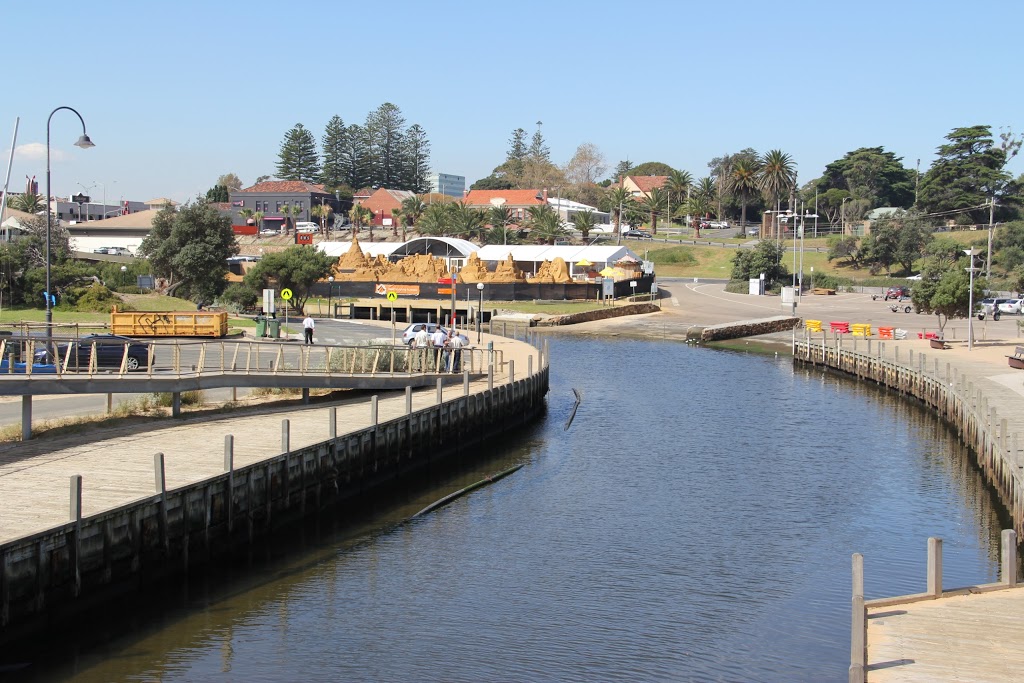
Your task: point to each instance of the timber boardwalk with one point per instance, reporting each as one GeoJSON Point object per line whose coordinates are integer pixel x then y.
{"type": "Point", "coordinates": [966, 634]}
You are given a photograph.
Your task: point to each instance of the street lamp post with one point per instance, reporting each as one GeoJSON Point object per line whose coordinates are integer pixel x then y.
{"type": "Point", "coordinates": [480, 311]}
{"type": "Point", "coordinates": [330, 295]}
{"type": "Point", "coordinates": [970, 299]}
{"type": "Point", "coordinates": [124, 269]}
{"type": "Point", "coordinates": [85, 143]}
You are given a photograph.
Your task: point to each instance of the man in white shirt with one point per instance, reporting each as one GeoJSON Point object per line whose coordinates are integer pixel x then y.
{"type": "Point", "coordinates": [422, 343]}
{"type": "Point", "coordinates": [455, 345]}
{"type": "Point", "coordinates": [307, 328]}
{"type": "Point", "coordinates": [438, 339]}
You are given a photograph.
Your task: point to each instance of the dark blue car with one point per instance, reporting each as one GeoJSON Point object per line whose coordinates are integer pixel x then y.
{"type": "Point", "coordinates": [110, 350]}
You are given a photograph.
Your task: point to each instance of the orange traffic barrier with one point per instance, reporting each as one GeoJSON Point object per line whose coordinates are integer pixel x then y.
{"type": "Point", "coordinates": [885, 332]}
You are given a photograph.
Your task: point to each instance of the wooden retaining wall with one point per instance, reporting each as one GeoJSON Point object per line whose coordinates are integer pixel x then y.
{"type": "Point", "coordinates": [951, 395]}
{"type": "Point", "coordinates": [60, 570]}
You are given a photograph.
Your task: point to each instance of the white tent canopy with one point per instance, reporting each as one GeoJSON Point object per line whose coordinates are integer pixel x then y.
{"type": "Point", "coordinates": [529, 256]}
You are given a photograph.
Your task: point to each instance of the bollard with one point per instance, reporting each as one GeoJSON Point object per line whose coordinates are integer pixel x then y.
{"type": "Point", "coordinates": [440, 398]}
{"type": "Point", "coordinates": [160, 484]}
{"type": "Point", "coordinates": [529, 365]}
{"type": "Point", "coordinates": [76, 498]}
{"type": "Point", "coordinates": [285, 436]}
{"type": "Point", "coordinates": [490, 377]}
{"type": "Point", "coordinates": [76, 517]}
{"type": "Point", "coordinates": [408, 400]}
{"type": "Point", "coordinates": [332, 422]}
{"type": "Point", "coordinates": [465, 383]}
{"type": "Point", "coordinates": [373, 410]}
{"type": "Point", "coordinates": [858, 627]}
{"type": "Point", "coordinates": [511, 372]}
{"type": "Point", "coordinates": [934, 566]}
{"type": "Point", "coordinates": [26, 417]}
{"type": "Point", "coordinates": [1009, 569]}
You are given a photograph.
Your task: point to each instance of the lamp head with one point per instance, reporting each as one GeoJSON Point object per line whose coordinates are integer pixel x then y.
{"type": "Point", "coordinates": [480, 286]}
{"type": "Point", "coordinates": [330, 278]}
{"type": "Point", "coordinates": [84, 142]}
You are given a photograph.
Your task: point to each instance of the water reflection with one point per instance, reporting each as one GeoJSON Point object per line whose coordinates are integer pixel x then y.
{"type": "Point", "coordinates": [695, 523]}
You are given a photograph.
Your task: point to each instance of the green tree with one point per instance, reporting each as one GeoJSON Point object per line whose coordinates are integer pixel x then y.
{"type": "Point", "coordinates": [436, 220]}
{"type": "Point", "coordinates": [334, 144]}
{"type": "Point", "coordinates": [466, 222]}
{"type": "Point", "coordinates": [29, 202]}
{"type": "Point", "coordinates": [776, 176]}
{"type": "Point", "coordinates": [323, 213]}
{"type": "Point", "coordinates": [584, 221]}
{"type": "Point", "coordinates": [360, 216]}
{"type": "Point", "coordinates": [385, 129]}
{"type": "Point", "coordinates": [1008, 246]}
{"type": "Point", "coordinates": [297, 268]}
{"type": "Point", "coordinates": [290, 214]}
{"type": "Point", "coordinates": [619, 196]}
{"type": "Point", "coordinates": [650, 168]}
{"type": "Point", "coordinates": [539, 151]}
{"type": "Point", "coordinates": [495, 181]}
{"type": "Point", "coordinates": [230, 181]}
{"type": "Point", "coordinates": [766, 258]}
{"type": "Point", "coordinates": [190, 247]}
{"type": "Point", "coordinates": [355, 158]}
{"type": "Point", "coordinates": [413, 208]}
{"type": "Point", "coordinates": [743, 182]}
{"type": "Point", "coordinates": [297, 159]}
{"type": "Point", "coordinates": [969, 171]}
{"type": "Point", "coordinates": [868, 173]}
{"type": "Point", "coordinates": [217, 193]}
{"type": "Point", "coordinates": [900, 239]}
{"type": "Point", "coordinates": [678, 186]}
{"type": "Point", "coordinates": [728, 202]}
{"type": "Point", "coordinates": [945, 290]}
{"type": "Point", "coordinates": [415, 159]}
{"type": "Point", "coordinates": [514, 159]}
{"type": "Point", "coordinates": [545, 224]}
{"type": "Point", "coordinates": [654, 204]}
{"type": "Point", "coordinates": [622, 169]}
{"type": "Point", "coordinates": [844, 247]}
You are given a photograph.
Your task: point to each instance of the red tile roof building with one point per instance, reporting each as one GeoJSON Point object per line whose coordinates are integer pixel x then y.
{"type": "Point", "coordinates": [518, 201]}
{"type": "Point", "coordinates": [383, 202]}
{"type": "Point", "coordinates": [641, 185]}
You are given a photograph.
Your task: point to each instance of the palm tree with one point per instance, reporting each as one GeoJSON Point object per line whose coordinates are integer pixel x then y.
{"type": "Point", "coordinates": [397, 218]}
{"type": "Point", "coordinates": [257, 218]}
{"type": "Point", "coordinates": [743, 182]}
{"type": "Point", "coordinates": [290, 212]}
{"type": "Point", "coordinates": [359, 215]}
{"type": "Point", "coordinates": [698, 205]}
{"type": "Point", "coordinates": [436, 220]}
{"type": "Point", "coordinates": [323, 212]}
{"type": "Point", "coordinates": [499, 218]}
{"type": "Point", "coordinates": [654, 204]}
{"type": "Point", "coordinates": [584, 222]}
{"type": "Point", "coordinates": [413, 207]}
{"type": "Point", "coordinates": [777, 176]}
{"type": "Point", "coordinates": [247, 215]}
{"type": "Point", "coordinates": [619, 196]}
{"type": "Point", "coordinates": [29, 202]}
{"type": "Point", "coordinates": [466, 221]}
{"type": "Point", "coordinates": [545, 224]}
{"type": "Point", "coordinates": [677, 186]}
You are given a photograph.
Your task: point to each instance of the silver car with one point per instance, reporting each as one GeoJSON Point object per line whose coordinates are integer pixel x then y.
{"type": "Point", "coordinates": [1012, 306]}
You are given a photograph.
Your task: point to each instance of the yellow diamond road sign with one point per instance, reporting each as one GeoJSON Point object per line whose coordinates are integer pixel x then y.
{"type": "Point", "coordinates": [286, 294]}
{"type": "Point", "coordinates": [392, 296]}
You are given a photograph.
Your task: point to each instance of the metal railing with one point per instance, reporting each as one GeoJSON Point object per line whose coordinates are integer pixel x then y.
{"type": "Point", "coordinates": [192, 358]}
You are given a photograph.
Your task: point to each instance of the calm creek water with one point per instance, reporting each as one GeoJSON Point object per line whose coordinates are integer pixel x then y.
{"type": "Point", "coordinates": [694, 523]}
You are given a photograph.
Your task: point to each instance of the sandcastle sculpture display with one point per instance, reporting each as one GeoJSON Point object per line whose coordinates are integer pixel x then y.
{"type": "Point", "coordinates": [355, 266]}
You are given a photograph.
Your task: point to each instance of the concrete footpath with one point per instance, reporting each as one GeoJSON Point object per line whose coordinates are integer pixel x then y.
{"type": "Point", "coordinates": [116, 465]}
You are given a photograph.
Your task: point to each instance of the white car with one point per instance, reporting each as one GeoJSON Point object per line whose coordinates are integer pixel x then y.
{"type": "Point", "coordinates": [1012, 306]}
{"type": "Point", "coordinates": [409, 335]}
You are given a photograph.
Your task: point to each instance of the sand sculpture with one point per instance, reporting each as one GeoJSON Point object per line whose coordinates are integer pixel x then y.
{"type": "Point", "coordinates": [355, 266]}
{"type": "Point", "coordinates": [552, 272]}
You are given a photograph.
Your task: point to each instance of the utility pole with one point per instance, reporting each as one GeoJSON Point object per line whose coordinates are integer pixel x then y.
{"type": "Point", "coordinates": [991, 215]}
{"type": "Point", "coordinates": [618, 227]}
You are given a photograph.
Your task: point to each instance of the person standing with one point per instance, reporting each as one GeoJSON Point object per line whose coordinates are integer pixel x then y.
{"type": "Point", "coordinates": [455, 344]}
{"type": "Point", "coordinates": [422, 343]}
{"type": "Point", "coordinates": [438, 339]}
{"type": "Point", "coordinates": [307, 328]}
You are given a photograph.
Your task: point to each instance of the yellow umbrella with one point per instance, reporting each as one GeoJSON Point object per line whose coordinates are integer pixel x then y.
{"type": "Point", "coordinates": [583, 263]}
{"type": "Point", "coordinates": [608, 272]}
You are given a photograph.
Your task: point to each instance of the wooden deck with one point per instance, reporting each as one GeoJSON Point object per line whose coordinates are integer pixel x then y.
{"type": "Point", "coordinates": [974, 637]}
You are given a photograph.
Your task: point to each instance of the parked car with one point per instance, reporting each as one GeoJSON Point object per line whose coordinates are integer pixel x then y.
{"type": "Point", "coordinates": [100, 250]}
{"type": "Point", "coordinates": [899, 292]}
{"type": "Point", "coordinates": [987, 307]}
{"type": "Point", "coordinates": [753, 232]}
{"type": "Point", "coordinates": [306, 228]}
{"type": "Point", "coordinates": [410, 332]}
{"type": "Point", "coordinates": [110, 350]}
{"type": "Point", "coordinates": [1012, 306]}
{"type": "Point", "coordinates": [269, 232]}
{"type": "Point", "coordinates": [637, 234]}
{"type": "Point", "coordinates": [118, 251]}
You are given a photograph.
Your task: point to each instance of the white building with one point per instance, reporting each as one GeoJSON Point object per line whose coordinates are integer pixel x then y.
{"type": "Point", "coordinates": [567, 209]}
{"type": "Point", "coordinates": [446, 183]}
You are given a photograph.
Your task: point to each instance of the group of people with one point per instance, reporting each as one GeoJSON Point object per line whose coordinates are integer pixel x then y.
{"type": "Point", "coordinates": [439, 348]}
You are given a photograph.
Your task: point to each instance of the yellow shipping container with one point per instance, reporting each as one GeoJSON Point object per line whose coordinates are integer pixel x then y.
{"type": "Point", "coordinates": [169, 324]}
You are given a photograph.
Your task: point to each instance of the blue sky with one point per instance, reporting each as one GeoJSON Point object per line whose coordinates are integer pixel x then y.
{"type": "Point", "coordinates": [176, 94]}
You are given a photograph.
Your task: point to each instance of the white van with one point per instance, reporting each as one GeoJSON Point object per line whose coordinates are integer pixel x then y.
{"type": "Point", "coordinates": [306, 227]}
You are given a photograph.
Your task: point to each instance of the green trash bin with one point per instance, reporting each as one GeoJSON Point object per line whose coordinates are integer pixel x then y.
{"type": "Point", "coordinates": [274, 329]}
{"type": "Point", "coordinates": [261, 326]}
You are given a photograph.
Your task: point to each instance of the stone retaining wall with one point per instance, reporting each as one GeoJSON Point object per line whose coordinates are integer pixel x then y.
{"type": "Point", "coordinates": [90, 559]}
{"type": "Point", "coordinates": [742, 328]}
{"type": "Point", "coordinates": [600, 314]}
